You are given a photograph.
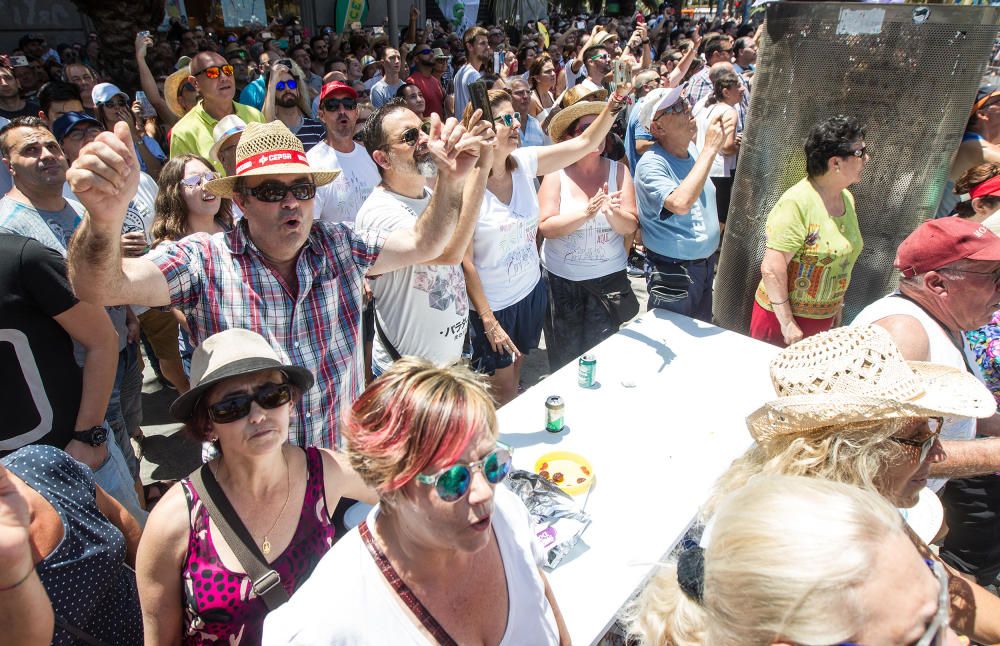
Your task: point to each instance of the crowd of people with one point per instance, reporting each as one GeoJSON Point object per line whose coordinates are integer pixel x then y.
{"type": "Point", "coordinates": [337, 252]}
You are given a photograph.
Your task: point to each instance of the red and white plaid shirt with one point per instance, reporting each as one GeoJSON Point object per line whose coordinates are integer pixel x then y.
{"type": "Point", "coordinates": [221, 281]}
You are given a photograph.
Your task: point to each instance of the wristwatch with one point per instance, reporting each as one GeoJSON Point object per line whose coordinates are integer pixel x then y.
{"type": "Point", "coordinates": [95, 436]}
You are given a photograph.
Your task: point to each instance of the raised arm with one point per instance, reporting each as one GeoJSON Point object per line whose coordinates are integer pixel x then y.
{"type": "Point", "coordinates": [148, 83]}
{"type": "Point", "coordinates": [105, 177]}
{"type": "Point", "coordinates": [682, 198]}
{"type": "Point", "coordinates": [455, 153]}
{"type": "Point", "coordinates": [681, 69]}
{"type": "Point", "coordinates": [561, 155]}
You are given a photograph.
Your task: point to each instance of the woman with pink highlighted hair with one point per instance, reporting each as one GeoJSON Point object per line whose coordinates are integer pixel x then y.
{"type": "Point", "coordinates": [447, 556]}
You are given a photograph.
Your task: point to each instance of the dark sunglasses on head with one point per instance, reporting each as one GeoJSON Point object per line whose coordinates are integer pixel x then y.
{"type": "Point", "coordinates": [331, 105]}
{"type": "Point", "coordinates": [237, 407]}
{"type": "Point", "coordinates": [276, 192]}
{"type": "Point", "coordinates": [290, 84]}
{"type": "Point", "coordinates": [926, 443]}
{"type": "Point", "coordinates": [453, 482]}
{"type": "Point", "coordinates": [860, 152]}
{"type": "Point", "coordinates": [214, 71]}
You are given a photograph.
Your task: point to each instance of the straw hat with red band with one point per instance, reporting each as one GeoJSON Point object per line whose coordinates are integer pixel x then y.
{"type": "Point", "coordinates": [938, 243]}
{"type": "Point", "coordinates": [983, 189]}
{"type": "Point", "coordinates": [269, 149]}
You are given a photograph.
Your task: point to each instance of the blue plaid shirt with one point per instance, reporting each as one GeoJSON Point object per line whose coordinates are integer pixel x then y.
{"type": "Point", "coordinates": [221, 281]}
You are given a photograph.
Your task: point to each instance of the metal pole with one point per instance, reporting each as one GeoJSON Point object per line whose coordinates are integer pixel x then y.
{"type": "Point", "coordinates": [393, 23]}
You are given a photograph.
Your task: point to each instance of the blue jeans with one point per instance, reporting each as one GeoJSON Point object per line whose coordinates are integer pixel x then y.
{"type": "Point", "coordinates": [124, 413]}
{"type": "Point", "coordinates": [115, 478]}
{"type": "Point", "coordinates": [682, 286]}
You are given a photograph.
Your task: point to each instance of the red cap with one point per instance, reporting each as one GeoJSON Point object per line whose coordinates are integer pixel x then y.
{"type": "Point", "coordinates": [333, 86]}
{"type": "Point", "coordinates": [937, 243]}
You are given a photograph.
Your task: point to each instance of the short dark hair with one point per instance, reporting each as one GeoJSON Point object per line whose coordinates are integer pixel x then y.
{"type": "Point", "coordinates": [830, 138]}
{"type": "Point", "coordinates": [401, 90]}
{"type": "Point", "coordinates": [741, 44]}
{"type": "Point", "coordinates": [373, 135]}
{"type": "Point", "coordinates": [716, 45]}
{"type": "Point", "coordinates": [18, 122]}
{"type": "Point", "coordinates": [57, 91]}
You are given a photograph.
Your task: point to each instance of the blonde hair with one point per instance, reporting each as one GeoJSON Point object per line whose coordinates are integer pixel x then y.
{"type": "Point", "coordinates": [856, 454]}
{"type": "Point", "coordinates": [786, 560]}
{"type": "Point", "coordinates": [304, 94]}
{"type": "Point", "coordinates": [414, 416]}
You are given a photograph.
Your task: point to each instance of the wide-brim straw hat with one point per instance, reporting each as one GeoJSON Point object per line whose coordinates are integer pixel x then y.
{"type": "Point", "coordinates": [269, 149]}
{"type": "Point", "coordinates": [579, 93]}
{"type": "Point", "coordinates": [856, 376]}
{"type": "Point", "coordinates": [171, 88]}
{"type": "Point", "coordinates": [232, 353]}
{"type": "Point", "coordinates": [565, 117]}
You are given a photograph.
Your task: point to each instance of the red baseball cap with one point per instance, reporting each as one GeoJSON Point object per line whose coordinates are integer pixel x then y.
{"type": "Point", "coordinates": [937, 243]}
{"type": "Point", "coordinates": [333, 86]}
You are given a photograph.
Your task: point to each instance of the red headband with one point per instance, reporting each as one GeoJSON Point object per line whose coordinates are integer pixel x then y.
{"type": "Point", "coordinates": [983, 189]}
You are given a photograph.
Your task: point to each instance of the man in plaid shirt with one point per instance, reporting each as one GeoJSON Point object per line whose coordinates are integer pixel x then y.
{"type": "Point", "coordinates": [296, 282]}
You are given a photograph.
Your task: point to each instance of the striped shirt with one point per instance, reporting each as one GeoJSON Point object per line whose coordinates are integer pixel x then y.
{"type": "Point", "coordinates": [310, 132]}
{"type": "Point", "coordinates": [221, 281]}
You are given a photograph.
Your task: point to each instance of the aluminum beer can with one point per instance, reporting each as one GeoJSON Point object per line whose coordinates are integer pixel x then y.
{"type": "Point", "coordinates": [587, 371]}
{"type": "Point", "coordinates": [555, 411]}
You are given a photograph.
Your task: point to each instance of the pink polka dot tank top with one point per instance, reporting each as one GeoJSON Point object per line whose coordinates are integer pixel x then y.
{"type": "Point", "coordinates": [219, 604]}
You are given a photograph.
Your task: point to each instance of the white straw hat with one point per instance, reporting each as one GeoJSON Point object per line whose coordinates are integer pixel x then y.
{"type": "Point", "coordinates": [856, 375]}
{"type": "Point", "coordinates": [269, 149]}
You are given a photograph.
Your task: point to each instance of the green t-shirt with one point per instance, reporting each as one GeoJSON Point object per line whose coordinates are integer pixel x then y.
{"type": "Point", "coordinates": [193, 133]}
{"type": "Point", "coordinates": [825, 247]}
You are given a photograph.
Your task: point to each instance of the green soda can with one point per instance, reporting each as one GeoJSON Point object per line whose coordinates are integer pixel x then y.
{"type": "Point", "coordinates": [555, 412]}
{"type": "Point", "coordinates": [587, 371]}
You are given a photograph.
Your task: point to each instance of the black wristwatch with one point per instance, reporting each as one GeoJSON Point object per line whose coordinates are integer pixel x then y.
{"type": "Point", "coordinates": [95, 436]}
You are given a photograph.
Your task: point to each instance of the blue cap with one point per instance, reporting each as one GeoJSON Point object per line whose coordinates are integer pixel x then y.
{"type": "Point", "coordinates": [64, 124]}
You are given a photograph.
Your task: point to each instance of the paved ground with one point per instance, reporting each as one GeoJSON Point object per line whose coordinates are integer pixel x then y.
{"type": "Point", "coordinates": [170, 455]}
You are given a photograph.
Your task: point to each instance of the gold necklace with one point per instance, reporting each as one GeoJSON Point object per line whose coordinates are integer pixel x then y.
{"type": "Point", "coordinates": [266, 545]}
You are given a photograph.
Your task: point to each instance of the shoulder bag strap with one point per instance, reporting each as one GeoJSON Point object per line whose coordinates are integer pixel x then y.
{"type": "Point", "coordinates": [266, 581]}
{"type": "Point", "coordinates": [390, 348]}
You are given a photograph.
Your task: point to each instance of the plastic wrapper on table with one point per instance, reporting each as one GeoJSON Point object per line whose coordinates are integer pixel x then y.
{"type": "Point", "coordinates": [558, 521]}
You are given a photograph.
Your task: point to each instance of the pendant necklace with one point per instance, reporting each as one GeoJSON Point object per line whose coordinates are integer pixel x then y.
{"type": "Point", "coordinates": [265, 547]}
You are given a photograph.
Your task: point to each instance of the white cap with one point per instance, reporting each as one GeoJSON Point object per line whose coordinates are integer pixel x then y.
{"type": "Point", "coordinates": [104, 92]}
{"type": "Point", "coordinates": [659, 99]}
{"type": "Point", "coordinates": [228, 126]}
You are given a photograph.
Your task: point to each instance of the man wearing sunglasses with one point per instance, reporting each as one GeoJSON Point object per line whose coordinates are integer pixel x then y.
{"type": "Point", "coordinates": [279, 273]}
{"type": "Point", "coordinates": [421, 310]}
{"type": "Point", "coordinates": [341, 199]}
{"type": "Point", "coordinates": [677, 210]}
{"type": "Point", "coordinates": [287, 100]}
{"type": "Point", "coordinates": [597, 61]}
{"type": "Point", "coordinates": [718, 49]}
{"type": "Point", "coordinates": [429, 86]}
{"type": "Point", "coordinates": [212, 76]}
{"type": "Point", "coordinates": [950, 283]}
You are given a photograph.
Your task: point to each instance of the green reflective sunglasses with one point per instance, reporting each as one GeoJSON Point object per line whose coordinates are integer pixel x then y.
{"type": "Point", "coordinates": [453, 482]}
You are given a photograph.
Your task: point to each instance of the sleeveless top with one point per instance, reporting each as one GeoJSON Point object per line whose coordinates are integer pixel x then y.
{"type": "Point", "coordinates": [219, 604]}
{"type": "Point", "coordinates": [85, 576]}
{"type": "Point", "coordinates": [948, 199]}
{"type": "Point", "coordinates": [942, 350]}
{"type": "Point", "coordinates": [593, 250]}
{"type": "Point", "coordinates": [722, 165]}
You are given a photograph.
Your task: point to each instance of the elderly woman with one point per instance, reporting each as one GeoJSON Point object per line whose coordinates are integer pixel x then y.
{"type": "Point", "coordinates": [502, 271]}
{"type": "Point", "coordinates": [287, 100]}
{"type": "Point", "coordinates": [795, 560]}
{"type": "Point", "coordinates": [447, 555]}
{"type": "Point", "coordinates": [193, 585]}
{"type": "Point", "coordinates": [813, 239]}
{"type": "Point", "coordinates": [851, 409]}
{"type": "Point", "coordinates": [112, 105]}
{"type": "Point", "coordinates": [586, 211]}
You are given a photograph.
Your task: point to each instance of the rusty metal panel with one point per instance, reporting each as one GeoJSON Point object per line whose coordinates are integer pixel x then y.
{"type": "Point", "coordinates": [908, 72]}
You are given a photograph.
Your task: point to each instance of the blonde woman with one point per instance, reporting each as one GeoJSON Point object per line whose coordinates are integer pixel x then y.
{"type": "Point", "coordinates": [794, 560]}
{"type": "Point", "coordinates": [446, 556]}
{"type": "Point", "coordinates": [287, 100]}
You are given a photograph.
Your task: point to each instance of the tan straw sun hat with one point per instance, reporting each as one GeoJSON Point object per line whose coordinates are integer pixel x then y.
{"type": "Point", "coordinates": [172, 88]}
{"type": "Point", "coordinates": [855, 376]}
{"type": "Point", "coordinates": [565, 118]}
{"type": "Point", "coordinates": [269, 149]}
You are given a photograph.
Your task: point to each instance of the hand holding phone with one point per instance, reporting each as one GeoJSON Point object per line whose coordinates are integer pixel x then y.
{"type": "Point", "coordinates": [479, 95]}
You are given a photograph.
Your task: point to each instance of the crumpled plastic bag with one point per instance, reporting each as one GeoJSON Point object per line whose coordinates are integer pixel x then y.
{"type": "Point", "coordinates": [558, 521]}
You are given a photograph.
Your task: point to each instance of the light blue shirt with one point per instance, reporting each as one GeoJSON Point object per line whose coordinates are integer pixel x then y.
{"type": "Point", "coordinates": [634, 132]}
{"type": "Point", "coordinates": [531, 133]}
{"type": "Point", "coordinates": [253, 94]}
{"type": "Point", "coordinates": [681, 236]}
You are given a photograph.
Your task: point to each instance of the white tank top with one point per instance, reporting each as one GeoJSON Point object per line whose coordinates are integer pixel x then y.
{"type": "Point", "coordinates": [942, 350]}
{"type": "Point", "coordinates": [593, 250]}
{"type": "Point", "coordinates": [722, 165]}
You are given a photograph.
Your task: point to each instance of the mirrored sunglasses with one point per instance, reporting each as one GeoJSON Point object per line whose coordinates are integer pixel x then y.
{"type": "Point", "coordinates": [214, 71]}
{"type": "Point", "coordinates": [290, 84]}
{"type": "Point", "coordinates": [191, 181]}
{"type": "Point", "coordinates": [505, 119]}
{"type": "Point", "coordinates": [453, 482]}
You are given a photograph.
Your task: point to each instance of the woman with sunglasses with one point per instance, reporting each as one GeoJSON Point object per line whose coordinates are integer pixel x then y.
{"type": "Point", "coordinates": [813, 239]}
{"type": "Point", "coordinates": [791, 561]}
{"type": "Point", "coordinates": [587, 211]}
{"type": "Point", "coordinates": [287, 100]}
{"type": "Point", "coordinates": [112, 105]}
{"type": "Point", "coordinates": [852, 410]}
{"type": "Point", "coordinates": [446, 556]}
{"type": "Point", "coordinates": [192, 586]}
{"type": "Point", "coordinates": [502, 270]}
